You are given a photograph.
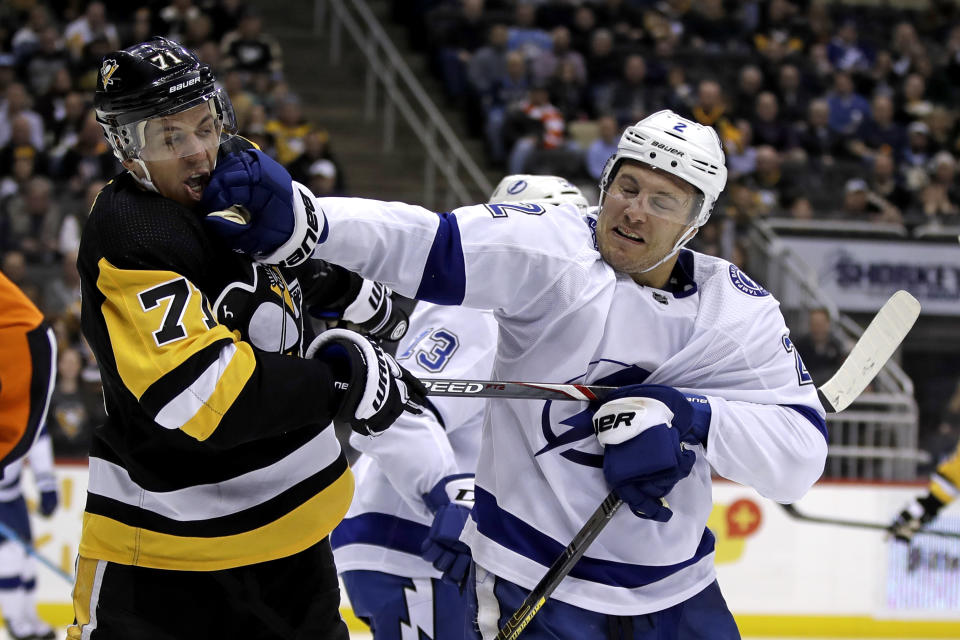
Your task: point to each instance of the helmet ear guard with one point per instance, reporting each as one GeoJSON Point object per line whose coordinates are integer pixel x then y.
{"type": "Point", "coordinates": [683, 148]}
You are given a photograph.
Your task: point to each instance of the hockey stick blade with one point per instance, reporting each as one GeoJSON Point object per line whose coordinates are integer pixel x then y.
{"type": "Point", "coordinates": [880, 339]}
{"type": "Point", "coordinates": [795, 513]}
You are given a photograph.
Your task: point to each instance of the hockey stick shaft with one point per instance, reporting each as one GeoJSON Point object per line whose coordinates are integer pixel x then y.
{"type": "Point", "coordinates": [9, 534]}
{"type": "Point", "coordinates": [885, 333]}
{"type": "Point", "coordinates": [798, 515]}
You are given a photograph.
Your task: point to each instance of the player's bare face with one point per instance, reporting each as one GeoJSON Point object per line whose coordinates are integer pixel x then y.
{"type": "Point", "coordinates": [644, 213]}
{"type": "Point", "coordinates": [180, 152]}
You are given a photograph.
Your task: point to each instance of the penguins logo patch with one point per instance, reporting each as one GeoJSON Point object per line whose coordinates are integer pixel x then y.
{"type": "Point", "coordinates": [745, 284]}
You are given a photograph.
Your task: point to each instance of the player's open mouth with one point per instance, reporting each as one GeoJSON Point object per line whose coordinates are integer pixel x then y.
{"type": "Point", "coordinates": [632, 237]}
{"type": "Point", "coordinates": [195, 184]}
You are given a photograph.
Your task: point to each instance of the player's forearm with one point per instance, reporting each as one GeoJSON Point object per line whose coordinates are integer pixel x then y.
{"type": "Point", "coordinates": [777, 450]}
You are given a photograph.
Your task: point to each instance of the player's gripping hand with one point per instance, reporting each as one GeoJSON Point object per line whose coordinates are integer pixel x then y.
{"type": "Point", "coordinates": [48, 502]}
{"type": "Point", "coordinates": [641, 428]}
{"type": "Point", "coordinates": [376, 390]}
{"type": "Point", "coordinates": [370, 307]}
{"type": "Point", "coordinates": [450, 501]}
{"type": "Point", "coordinates": [256, 209]}
{"type": "Point", "coordinates": [915, 516]}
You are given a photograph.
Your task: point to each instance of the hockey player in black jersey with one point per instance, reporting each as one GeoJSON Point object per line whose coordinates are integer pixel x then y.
{"type": "Point", "coordinates": [215, 480]}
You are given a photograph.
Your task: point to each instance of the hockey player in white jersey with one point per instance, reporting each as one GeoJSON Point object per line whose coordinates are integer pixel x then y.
{"type": "Point", "coordinates": [18, 574]}
{"type": "Point", "coordinates": [397, 549]}
{"type": "Point", "coordinates": [709, 377]}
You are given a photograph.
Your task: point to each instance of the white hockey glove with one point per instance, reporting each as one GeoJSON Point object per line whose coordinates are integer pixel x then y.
{"type": "Point", "coordinates": [373, 311]}
{"type": "Point", "coordinates": [376, 390]}
{"type": "Point", "coordinates": [255, 208]}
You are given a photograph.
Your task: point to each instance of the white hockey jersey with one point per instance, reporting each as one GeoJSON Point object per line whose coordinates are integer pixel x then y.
{"type": "Point", "coordinates": [388, 520]}
{"type": "Point", "coordinates": [564, 315]}
{"type": "Point", "coordinates": [40, 459]}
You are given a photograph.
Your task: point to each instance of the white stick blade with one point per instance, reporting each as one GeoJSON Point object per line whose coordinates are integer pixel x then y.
{"type": "Point", "coordinates": [881, 338]}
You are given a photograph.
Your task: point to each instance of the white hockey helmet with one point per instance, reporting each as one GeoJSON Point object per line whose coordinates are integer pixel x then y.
{"type": "Point", "coordinates": [678, 146]}
{"type": "Point", "coordinates": [539, 190]}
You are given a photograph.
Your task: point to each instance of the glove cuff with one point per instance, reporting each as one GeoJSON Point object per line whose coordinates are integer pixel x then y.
{"type": "Point", "coordinates": [623, 419]}
{"type": "Point", "coordinates": [310, 229]}
{"type": "Point", "coordinates": [455, 489]}
{"type": "Point", "coordinates": [700, 420]}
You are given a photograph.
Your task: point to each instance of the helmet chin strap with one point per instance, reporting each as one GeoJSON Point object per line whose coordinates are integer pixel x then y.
{"type": "Point", "coordinates": [146, 182]}
{"type": "Point", "coordinates": [679, 244]}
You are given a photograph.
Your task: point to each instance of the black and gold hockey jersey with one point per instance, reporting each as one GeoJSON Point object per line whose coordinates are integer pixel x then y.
{"type": "Point", "coordinates": [945, 481]}
{"type": "Point", "coordinates": [216, 451]}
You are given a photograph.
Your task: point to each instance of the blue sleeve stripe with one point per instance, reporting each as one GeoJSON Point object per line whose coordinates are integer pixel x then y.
{"type": "Point", "coordinates": [444, 277]}
{"type": "Point", "coordinates": [813, 416]}
{"type": "Point", "coordinates": [513, 533]}
{"type": "Point", "coordinates": [382, 530]}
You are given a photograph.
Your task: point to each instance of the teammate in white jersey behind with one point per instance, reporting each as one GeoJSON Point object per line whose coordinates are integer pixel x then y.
{"type": "Point", "coordinates": [397, 550]}
{"type": "Point", "coordinates": [708, 377]}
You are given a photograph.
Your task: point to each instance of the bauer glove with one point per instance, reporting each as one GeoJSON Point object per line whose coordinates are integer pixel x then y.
{"type": "Point", "coordinates": [914, 517]}
{"type": "Point", "coordinates": [641, 428]}
{"type": "Point", "coordinates": [376, 390]}
{"type": "Point", "coordinates": [450, 501]}
{"type": "Point", "coordinates": [255, 208]}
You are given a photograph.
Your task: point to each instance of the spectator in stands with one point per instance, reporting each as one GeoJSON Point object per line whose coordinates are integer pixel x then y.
{"type": "Point", "coordinates": [603, 147]}
{"type": "Point", "coordinates": [225, 16]}
{"type": "Point", "coordinates": [845, 50]}
{"type": "Point", "coordinates": [524, 35]}
{"type": "Point", "coordinates": [879, 78]}
{"type": "Point", "coordinates": [847, 108]}
{"type": "Point", "coordinates": [743, 203]}
{"type": "Point", "coordinates": [679, 94]}
{"type": "Point", "coordinates": [906, 48]}
{"type": "Point", "coordinates": [68, 112]}
{"type": "Point", "coordinates": [581, 30]}
{"type": "Point", "coordinates": [21, 147]}
{"type": "Point", "coordinates": [288, 128]}
{"type": "Point", "coordinates": [862, 205]}
{"type": "Point", "coordinates": [768, 127]}
{"type": "Point", "coordinates": [174, 18]}
{"type": "Point", "coordinates": [547, 65]}
{"type": "Point", "coordinates": [17, 104]}
{"type": "Point", "coordinates": [821, 144]}
{"type": "Point", "coordinates": [741, 154]}
{"type": "Point", "coordinates": [140, 29]}
{"type": "Point", "coordinates": [776, 188]}
{"type": "Point", "coordinates": [749, 86]}
{"type": "Point", "coordinates": [88, 27]}
{"type": "Point", "coordinates": [48, 58]}
{"type": "Point", "coordinates": [89, 158]}
{"type": "Point", "coordinates": [943, 134]}
{"type": "Point", "coordinates": [912, 100]}
{"type": "Point", "coordinates": [457, 30]}
{"type": "Point", "coordinates": [34, 220]}
{"type": "Point", "coordinates": [505, 98]}
{"type": "Point", "coordinates": [939, 199]}
{"type": "Point", "coordinates": [710, 26]}
{"type": "Point", "coordinates": [886, 183]}
{"type": "Point", "coordinates": [603, 65]}
{"type": "Point", "coordinates": [569, 94]}
{"type": "Point", "coordinates": [711, 109]}
{"type": "Point", "coordinates": [199, 31]}
{"type": "Point", "coordinates": [26, 39]}
{"type": "Point", "coordinates": [544, 126]}
{"type": "Point", "coordinates": [24, 169]}
{"type": "Point", "coordinates": [792, 97]}
{"type": "Point", "coordinates": [75, 217]}
{"type": "Point", "coordinates": [632, 97]}
{"type": "Point", "coordinates": [316, 147]}
{"type": "Point", "coordinates": [14, 266]}
{"type": "Point", "coordinates": [821, 350]}
{"type": "Point", "coordinates": [249, 49]}
{"type": "Point", "coordinates": [323, 178]}
{"type": "Point", "coordinates": [62, 291]}
{"type": "Point", "coordinates": [879, 133]}
{"type": "Point", "coordinates": [75, 410]}
{"type": "Point", "coordinates": [916, 155]}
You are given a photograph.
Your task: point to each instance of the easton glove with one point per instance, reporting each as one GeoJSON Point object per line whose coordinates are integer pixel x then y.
{"type": "Point", "coordinates": [641, 428]}
{"type": "Point", "coordinates": [376, 390]}
{"type": "Point", "coordinates": [255, 208]}
{"type": "Point", "coordinates": [914, 517]}
{"type": "Point", "coordinates": [450, 501]}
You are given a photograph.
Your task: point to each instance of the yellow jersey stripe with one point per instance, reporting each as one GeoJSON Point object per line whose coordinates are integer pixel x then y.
{"type": "Point", "coordinates": [107, 539]}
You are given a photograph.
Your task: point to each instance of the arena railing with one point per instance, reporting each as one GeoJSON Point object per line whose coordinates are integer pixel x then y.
{"type": "Point", "coordinates": [388, 73]}
{"type": "Point", "coordinates": [876, 438]}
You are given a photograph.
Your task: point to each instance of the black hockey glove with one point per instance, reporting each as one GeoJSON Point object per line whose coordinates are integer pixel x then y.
{"type": "Point", "coordinates": [373, 312]}
{"type": "Point", "coordinates": [915, 516]}
{"type": "Point", "coordinates": [376, 390]}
